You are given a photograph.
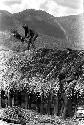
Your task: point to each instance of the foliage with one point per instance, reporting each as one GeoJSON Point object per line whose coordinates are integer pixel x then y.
{"type": "Point", "coordinates": [24, 70]}
{"type": "Point", "coordinates": [47, 72]}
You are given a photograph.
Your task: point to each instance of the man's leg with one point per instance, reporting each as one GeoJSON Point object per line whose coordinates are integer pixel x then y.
{"type": "Point", "coordinates": [32, 41]}
{"type": "Point", "coordinates": [29, 42]}
{"type": "Point", "coordinates": [22, 39]}
{"type": "Point", "coordinates": [25, 33]}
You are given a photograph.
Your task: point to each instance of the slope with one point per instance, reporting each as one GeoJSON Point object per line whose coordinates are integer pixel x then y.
{"type": "Point", "coordinates": [42, 22]}
{"type": "Point", "coordinates": [74, 26]}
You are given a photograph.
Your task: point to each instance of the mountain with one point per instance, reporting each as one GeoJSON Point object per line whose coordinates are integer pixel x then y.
{"type": "Point", "coordinates": [42, 22]}
{"type": "Point", "coordinates": [54, 32]}
{"type": "Point", "coordinates": [7, 22]}
{"type": "Point", "coordinates": [74, 27]}
{"type": "Point", "coordinates": [51, 34]}
{"type": "Point", "coordinates": [7, 25]}
{"type": "Point", "coordinates": [71, 26]}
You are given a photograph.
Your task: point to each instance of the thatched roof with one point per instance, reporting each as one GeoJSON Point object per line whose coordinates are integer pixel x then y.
{"type": "Point", "coordinates": [47, 70]}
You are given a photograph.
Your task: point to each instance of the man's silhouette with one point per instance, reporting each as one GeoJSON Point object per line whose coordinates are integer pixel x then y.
{"type": "Point", "coordinates": [31, 35]}
{"type": "Point", "coordinates": [26, 30]}
{"type": "Point", "coordinates": [18, 36]}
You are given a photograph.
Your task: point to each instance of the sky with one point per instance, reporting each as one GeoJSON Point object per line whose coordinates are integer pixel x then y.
{"type": "Point", "coordinates": [54, 7]}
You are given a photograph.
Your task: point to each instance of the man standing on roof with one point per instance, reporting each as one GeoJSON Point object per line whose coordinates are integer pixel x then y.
{"type": "Point", "coordinates": [18, 36]}
{"type": "Point", "coordinates": [31, 34]}
{"type": "Point", "coordinates": [32, 37]}
{"type": "Point", "coordinates": [26, 29]}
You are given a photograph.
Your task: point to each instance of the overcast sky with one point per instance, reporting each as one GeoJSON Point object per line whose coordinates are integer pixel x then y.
{"type": "Point", "coordinates": [54, 7]}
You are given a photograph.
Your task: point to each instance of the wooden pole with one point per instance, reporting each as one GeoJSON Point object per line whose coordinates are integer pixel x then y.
{"type": "Point", "coordinates": [0, 98]}
{"type": "Point", "coordinates": [55, 105]}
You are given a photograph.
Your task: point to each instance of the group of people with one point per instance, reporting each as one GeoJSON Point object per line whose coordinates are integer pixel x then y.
{"type": "Point", "coordinates": [30, 36]}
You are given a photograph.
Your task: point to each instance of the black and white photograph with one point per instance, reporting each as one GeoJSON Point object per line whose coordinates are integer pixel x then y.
{"type": "Point", "coordinates": [41, 62]}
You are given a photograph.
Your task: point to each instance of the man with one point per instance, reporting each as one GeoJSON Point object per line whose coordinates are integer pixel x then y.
{"type": "Point", "coordinates": [18, 36]}
{"type": "Point", "coordinates": [26, 30]}
{"type": "Point", "coordinates": [31, 35]}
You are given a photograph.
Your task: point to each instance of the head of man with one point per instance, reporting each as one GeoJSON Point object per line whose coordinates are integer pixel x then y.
{"type": "Point", "coordinates": [26, 29]}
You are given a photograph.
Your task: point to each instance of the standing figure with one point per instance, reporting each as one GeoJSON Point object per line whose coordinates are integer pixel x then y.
{"type": "Point", "coordinates": [31, 35]}
{"type": "Point", "coordinates": [18, 36]}
{"type": "Point", "coordinates": [26, 30]}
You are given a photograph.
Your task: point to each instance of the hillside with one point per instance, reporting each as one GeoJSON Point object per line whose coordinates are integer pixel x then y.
{"type": "Point", "coordinates": [54, 32]}
{"type": "Point", "coordinates": [41, 22]}
{"type": "Point", "coordinates": [7, 22]}
{"type": "Point", "coordinates": [48, 37]}
{"type": "Point", "coordinates": [74, 26]}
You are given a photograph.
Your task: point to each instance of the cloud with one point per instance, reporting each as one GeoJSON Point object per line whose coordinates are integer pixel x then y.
{"type": "Point", "coordinates": [19, 5]}
{"type": "Point", "coordinates": [11, 2]}
{"type": "Point", "coordinates": [74, 4]}
{"type": "Point", "coordinates": [62, 8]}
{"type": "Point", "coordinates": [32, 4]}
{"type": "Point", "coordinates": [54, 7]}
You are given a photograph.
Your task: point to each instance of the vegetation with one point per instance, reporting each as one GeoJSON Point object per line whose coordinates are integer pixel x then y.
{"type": "Point", "coordinates": [50, 80]}
{"type": "Point", "coordinates": [18, 115]}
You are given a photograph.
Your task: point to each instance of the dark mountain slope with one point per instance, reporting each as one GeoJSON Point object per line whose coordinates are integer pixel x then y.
{"type": "Point", "coordinates": [72, 26]}
{"type": "Point", "coordinates": [54, 32]}
{"type": "Point", "coordinates": [50, 35]}
{"type": "Point", "coordinates": [41, 22]}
